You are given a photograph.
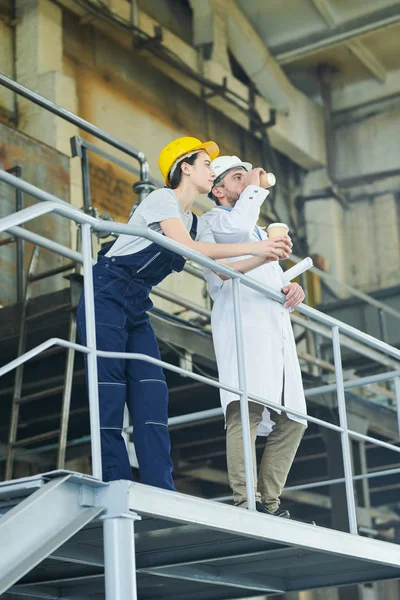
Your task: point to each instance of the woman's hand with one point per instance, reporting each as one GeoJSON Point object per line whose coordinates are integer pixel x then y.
{"type": "Point", "coordinates": [272, 250]}
{"type": "Point", "coordinates": [294, 295]}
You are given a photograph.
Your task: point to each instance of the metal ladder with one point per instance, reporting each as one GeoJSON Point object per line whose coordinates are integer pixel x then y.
{"type": "Point", "coordinates": [65, 389]}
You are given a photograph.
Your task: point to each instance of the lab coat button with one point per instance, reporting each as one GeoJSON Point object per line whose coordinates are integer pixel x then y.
{"type": "Point", "coordinates": [251, 197]}
{"type": "Point", "coordinates": [106, 265]}
{"type": "Point", "coordinates": [113, 259]}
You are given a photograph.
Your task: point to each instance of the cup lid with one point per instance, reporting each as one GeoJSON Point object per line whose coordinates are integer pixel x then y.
{"type": "Point", "coordinates": [277, 225]}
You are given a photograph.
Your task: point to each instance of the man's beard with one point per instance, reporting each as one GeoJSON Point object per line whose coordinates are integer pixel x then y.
{"type": "Point", "coordinates": [232, 198]}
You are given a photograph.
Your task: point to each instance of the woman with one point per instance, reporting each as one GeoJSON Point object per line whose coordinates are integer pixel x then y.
{"type": "Point", "coordinates": [123, 278]}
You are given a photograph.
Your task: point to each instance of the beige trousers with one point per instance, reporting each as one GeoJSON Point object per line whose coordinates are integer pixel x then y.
{"type": "Point", "coordinates": [279, 452]}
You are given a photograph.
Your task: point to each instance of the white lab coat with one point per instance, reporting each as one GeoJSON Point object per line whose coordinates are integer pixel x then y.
{"type": "Point", "coordinates": [271, 359]}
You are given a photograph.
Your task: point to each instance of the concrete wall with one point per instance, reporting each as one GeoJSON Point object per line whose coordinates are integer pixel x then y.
{"type": "Point", "coordinates": [361, 243]}
{"type": "Point", "coordinates": [368, 142]}
{"type": "Point", "coordinates": [6, 67]}
{"type": "Point", "coordinates": [48, 169]}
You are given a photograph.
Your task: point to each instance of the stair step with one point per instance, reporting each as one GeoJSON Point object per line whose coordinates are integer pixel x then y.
{"type": "Point", "coordinates": [49, 311]}
{"type": "Point", "coordinates": [41, 437]}
{"type": "Point", "coordinates": [39, 395]}
{"type": "Point", "coordinates": [41, 383]}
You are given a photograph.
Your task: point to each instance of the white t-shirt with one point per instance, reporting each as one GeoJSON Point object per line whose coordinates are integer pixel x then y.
{"type": "Point", "coordinates": [158, 206]}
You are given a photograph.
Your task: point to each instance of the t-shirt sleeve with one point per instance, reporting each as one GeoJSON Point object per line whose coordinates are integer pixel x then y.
{"type": "Point", "coordinates": [204, 233]}
{"type": "Point", "coordinates": [159, 206]}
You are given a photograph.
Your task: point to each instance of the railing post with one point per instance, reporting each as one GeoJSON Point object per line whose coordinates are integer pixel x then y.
{"type": "Point", "coordinates": [346, 450]}
{"type": "Point", "coordinates": [244, 406]}
{"type": "Point", "coordinates": [397, 392]}
{"type": "Point", "coordinates": [91, 357]}
{"type": "Point", "coordinates": [19, 205]}
{"type": "Point", "coordinates": [86, 179]}
{"type": "Point", "coordinates": [383, 325]}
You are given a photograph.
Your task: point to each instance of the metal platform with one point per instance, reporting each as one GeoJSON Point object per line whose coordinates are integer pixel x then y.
{"type": "Point", "coordinates": [185, 547]}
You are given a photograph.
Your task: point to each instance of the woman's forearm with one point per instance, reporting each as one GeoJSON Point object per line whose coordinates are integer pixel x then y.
{"type": "Point", "coordinates": [218, 251]}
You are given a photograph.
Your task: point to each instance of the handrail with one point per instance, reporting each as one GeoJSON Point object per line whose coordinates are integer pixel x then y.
{"type": "Point", "coordinates": [52, 204]}
{"type": "Point", "coordinates": [78, 257]}
{"type": "Point", "coordinates": [78, 121]}
{"type": "Point", "coordinates": [144, 170]}
{"type": "Point", "coordinates": [365, 297]}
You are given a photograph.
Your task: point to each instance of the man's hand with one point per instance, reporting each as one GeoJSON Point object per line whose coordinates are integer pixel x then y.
{"type": "Point", "coordinates": [253, 177]}
{"type": "Point", "coordinates": [272, 250]}
{"type": "Point", "coordinates": [294, 295]}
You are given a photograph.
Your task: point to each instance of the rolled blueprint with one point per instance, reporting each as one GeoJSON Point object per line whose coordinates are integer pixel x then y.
{"type": "Point", "coordinates": [297, 270]}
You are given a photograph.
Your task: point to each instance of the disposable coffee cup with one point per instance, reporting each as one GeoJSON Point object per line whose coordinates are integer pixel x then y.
{"type": "Point", "coordinates": [277, 230]}
{"type": "Point", "coordinates": [267, 180]}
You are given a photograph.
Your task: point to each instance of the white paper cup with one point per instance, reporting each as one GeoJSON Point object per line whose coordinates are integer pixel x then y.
{"type": "Point", "coordinates": [267, 180]}
{"type": "Point", "coordinates": [277, 230]}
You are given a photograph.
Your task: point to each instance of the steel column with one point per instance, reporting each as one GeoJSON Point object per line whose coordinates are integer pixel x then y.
{"type": "Point", "coordinates": [119, 558]}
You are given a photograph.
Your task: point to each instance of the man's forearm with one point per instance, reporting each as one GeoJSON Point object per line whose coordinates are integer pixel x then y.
{"type": "Point", "coordinates": [243, 266]}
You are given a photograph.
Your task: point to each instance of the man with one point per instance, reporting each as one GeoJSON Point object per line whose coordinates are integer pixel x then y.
{"type": "Point", "coordinates": [272, 367]}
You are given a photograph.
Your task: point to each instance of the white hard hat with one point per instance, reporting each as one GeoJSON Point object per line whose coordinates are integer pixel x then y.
{"type": "Point", "coordinates": [222, 164]}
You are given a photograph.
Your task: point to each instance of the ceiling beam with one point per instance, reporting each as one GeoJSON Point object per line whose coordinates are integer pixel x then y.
{"type": "Point", "coordinates": [368, 59]}
{"type": "Point", "coordinates": [366, 93]}
{"type": "Point", "coordinates": [358, 48]}
{"type": "Point", "coordinates": [339, 34]}
{"type": "Point", "coordinates": [220, 576]}
{"type": "Point", "coordinates": [325, 10]}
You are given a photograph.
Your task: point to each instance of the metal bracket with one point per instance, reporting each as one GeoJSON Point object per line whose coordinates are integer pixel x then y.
{"type": "Point", "coordinates": [76, 146]}
{"type": "Point", "coordinates": [143, 188]}
{"type": "Point", "coordinates": [219, 90]}
{"type": "Point", "coordinates": [255, 126]}
{"type": "Point", "coordinates": [91, 211]}
{"type": "Point", "coordinates": [115, 499]}
{"type": "Point", "coordinates": [142, 43]}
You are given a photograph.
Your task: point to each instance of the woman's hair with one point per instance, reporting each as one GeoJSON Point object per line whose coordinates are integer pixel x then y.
{"type": "Point", "coordinates": [177, 176]}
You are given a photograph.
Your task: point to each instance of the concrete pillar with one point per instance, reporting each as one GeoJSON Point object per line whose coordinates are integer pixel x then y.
{"type": "Point", "coordinates": [210, 30]}
{"type": "Point", "coordinates": [325, 228]}
{"type": "Point", "coordinates": [6, 67]}
{"type": "Point", "coordinates": [39, 44]}
{"type": "Point", "coordinates": [386, 240]}
{"type": "Point", "coordinates": [388, 590]}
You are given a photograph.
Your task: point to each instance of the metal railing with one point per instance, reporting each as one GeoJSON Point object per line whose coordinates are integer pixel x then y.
{"type": "Point", "coordinates": [80, 147]}
{"type": "Point", "coordinates": [51, 204]}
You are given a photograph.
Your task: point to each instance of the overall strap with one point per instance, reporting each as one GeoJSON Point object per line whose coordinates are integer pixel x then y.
{"type": "Point", "coordinates": [193, 229]}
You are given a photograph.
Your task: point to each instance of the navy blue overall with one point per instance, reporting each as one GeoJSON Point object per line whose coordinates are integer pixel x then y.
{"type": "Point", "coordinates": [122, 285]}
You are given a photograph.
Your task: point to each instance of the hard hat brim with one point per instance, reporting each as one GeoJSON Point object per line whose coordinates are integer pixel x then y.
{"type": "Point", "coordinates": [210, 147]}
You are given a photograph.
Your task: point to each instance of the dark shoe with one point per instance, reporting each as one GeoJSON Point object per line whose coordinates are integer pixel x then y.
{"type": "Point", "coordinates": [260, 507]}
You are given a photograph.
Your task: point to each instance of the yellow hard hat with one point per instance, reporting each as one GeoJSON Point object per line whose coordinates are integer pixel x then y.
{"type": "Point", "coordinates": [180, 147]}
